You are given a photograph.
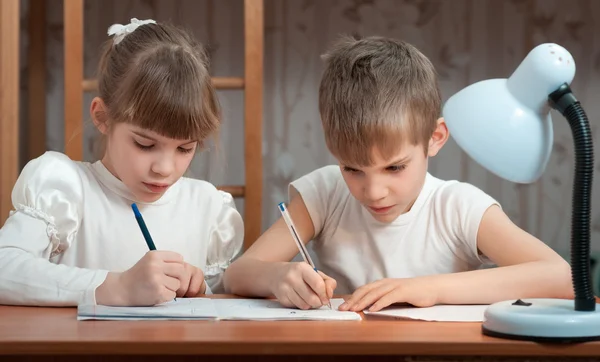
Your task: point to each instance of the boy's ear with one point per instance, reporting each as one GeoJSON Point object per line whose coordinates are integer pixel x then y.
{"type": "Point", "coordinates": [438, 138]}
{"type": "Point", "coordinates": [98, 113]}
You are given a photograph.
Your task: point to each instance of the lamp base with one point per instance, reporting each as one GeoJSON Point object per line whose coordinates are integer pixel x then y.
{"type": "Point", "coordinates": [541, 320]}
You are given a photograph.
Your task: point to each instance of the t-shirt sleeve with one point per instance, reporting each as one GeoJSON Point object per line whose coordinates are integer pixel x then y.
{"type": "Point", "coordinates": [319, 190]}
{"type": "Point", "coordinates": [463, 207]}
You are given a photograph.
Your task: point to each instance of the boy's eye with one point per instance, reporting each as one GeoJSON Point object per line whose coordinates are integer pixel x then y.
{"type": "Point", "coordinates": [350, 169]}
{"type": "Point", "coordinates": [396, 168]}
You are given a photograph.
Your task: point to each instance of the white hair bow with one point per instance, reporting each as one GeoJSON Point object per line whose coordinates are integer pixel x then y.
{"type": "Point", "coordinates": [120, 30]}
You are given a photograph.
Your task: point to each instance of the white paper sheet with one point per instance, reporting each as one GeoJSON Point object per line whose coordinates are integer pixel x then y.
{"type": "Point", "coordinates": [260, 309]}
{"type": "Point", "coordinates": [439, 313]}
{"type": "Point", "coordinates": [215, 309]}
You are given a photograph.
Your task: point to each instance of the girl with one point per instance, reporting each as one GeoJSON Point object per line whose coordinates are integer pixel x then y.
{"type": "Point", "coordinates": [73, 238]}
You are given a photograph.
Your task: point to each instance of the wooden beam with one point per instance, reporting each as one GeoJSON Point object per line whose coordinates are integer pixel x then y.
{"type": "Point", "coordinates": [228, 82]}
{"type": "Point", "coordinates": [9, 102]}
{"type": "Point", "coordinates": [73, 35]}
{"type": "Point", "coordinates": [36, 99]}
{"type": "Point", "coordinates": [253, 113]}
{"type": "Point", "coordinates": [89, 85]}
{"type": "Point", "coordinates": [235, 191]}
{"type": "Point", "coordinates": [225, 83]}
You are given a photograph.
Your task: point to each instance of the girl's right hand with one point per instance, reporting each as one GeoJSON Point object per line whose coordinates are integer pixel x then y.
{"type": "Point", "coordinates": [154, 279]}
{"type": "Point", "coordinates": [299, 285]}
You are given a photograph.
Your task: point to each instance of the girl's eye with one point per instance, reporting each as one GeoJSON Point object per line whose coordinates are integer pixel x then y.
{"type": "Point", "coordinates": [143, 147]}
{"type": "Point", "coordinates": [185, 150]}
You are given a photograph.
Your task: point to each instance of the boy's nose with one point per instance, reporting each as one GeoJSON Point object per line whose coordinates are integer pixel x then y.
{"type": "Point", "coordinates": [375, 192]}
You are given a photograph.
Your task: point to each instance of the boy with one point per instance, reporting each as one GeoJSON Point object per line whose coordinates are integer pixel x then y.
{"type": "Point", "coordinates": [384, 229]}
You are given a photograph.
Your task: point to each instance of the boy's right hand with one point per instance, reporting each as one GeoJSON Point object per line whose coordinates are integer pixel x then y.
{"type": "Point", "coordinates": [299, 285]}
{"type": "Point", "coordinates": [154, 279]}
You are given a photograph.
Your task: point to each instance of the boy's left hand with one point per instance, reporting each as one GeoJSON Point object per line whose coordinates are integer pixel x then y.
{"type": "Point", "coordinates": [192, 282]}
{"type": "Point", "coordinates": [419, 292]}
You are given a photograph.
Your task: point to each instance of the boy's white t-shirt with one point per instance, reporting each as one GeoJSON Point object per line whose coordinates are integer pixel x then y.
{"type": "Point", "coordinates": [73, 223]}
{"type": "Point", "coordinates": [437, 236]}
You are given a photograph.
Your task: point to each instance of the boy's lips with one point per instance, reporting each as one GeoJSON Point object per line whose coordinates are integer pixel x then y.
{"type": "Point", "coordinates": [380, 210]}
{"type": "Point", "coordinates": [156, 187]}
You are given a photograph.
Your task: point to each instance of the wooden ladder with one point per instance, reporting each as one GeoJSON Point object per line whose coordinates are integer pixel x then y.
{"type": "Point", "coordinates": [9, 102]}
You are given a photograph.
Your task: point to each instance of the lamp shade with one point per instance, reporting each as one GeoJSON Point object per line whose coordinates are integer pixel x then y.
{"type": "Point", "coordinates": [505, 124]}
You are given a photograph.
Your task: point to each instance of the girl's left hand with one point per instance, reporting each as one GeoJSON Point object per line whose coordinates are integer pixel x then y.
{"type": "Point", "coordinates": [192, 282]}
{"type": "Point", "coordinates": [420, 292]}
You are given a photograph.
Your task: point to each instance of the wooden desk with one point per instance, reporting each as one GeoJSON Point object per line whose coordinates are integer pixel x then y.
{"type": "Point", "coordinates": [32, 334]}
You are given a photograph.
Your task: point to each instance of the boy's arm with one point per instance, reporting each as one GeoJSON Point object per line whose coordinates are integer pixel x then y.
{"type": "Point", "coordinates": [527, 268]}
{"type": "Point", "coordinates": [250, 274]}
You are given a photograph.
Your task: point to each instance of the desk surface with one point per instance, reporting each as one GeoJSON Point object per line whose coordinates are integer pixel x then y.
{"type": "Point", "coordinates": [56, 331]}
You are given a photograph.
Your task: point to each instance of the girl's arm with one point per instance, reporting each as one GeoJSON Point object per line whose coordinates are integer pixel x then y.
{"type": "Point", "coordinates": [27, 277]}
{"type": "Point", "coordinates": [48, 198]}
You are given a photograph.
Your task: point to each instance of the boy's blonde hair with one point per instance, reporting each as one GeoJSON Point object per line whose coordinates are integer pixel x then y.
{"type": "Point", "coordinates": [376, 94]}
{"type": "Point", "coordinates": [157, 78]}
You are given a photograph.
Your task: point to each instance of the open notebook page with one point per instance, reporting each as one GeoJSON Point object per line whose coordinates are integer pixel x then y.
{"type": "Point", "coordinates": [439, 313]}
{"type": "Point", "coordinates": [260, 309]}
{"type": "Point", "coordinates": [221, 309]}
{"type": "Point", "coordinates": [182, 308]}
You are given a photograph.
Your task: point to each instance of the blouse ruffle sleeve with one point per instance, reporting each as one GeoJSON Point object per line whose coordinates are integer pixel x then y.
{"type": "Point", "coordinates": [225, 242]}
{"type": "Point", "coordinates": [50, 189]}
{"type": "Point", "coordinates": [47, 200]}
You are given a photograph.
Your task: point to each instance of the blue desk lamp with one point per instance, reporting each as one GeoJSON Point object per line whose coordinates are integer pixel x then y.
{"type": "Point", "coordinates": [506, 127]}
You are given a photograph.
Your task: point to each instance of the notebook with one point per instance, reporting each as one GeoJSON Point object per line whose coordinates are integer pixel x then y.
{"type": "Point", "coordinates": [439, 313]}
{"type": "Point", "coordinates": [216, 309]}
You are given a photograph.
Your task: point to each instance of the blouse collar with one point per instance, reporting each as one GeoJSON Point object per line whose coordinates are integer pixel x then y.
{"type": "Point", "coordinates": [118, 187]}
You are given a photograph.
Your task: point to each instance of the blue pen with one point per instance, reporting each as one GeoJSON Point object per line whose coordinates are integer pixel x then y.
{"type": "Point", "coordinates": [145, 232]}
{"type": "Point", "coordinates": [142, 224]}
{"type": "Point", "coordinates": [288, 220]}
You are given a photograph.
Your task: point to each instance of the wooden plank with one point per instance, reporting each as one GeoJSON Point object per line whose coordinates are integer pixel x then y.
{"type": "Point", "coordinates": [73, 35]}
{"type": "Point", "coordinates": [235, 191]}
{"type": "Point", "coordinates": [253, 113]}
{"type": "Point", "coordinates": [57, 335]}
{"type": "Point", "coordinates": [36, 117]}
{"type": "Point", "coordinates": [89, 85]}
{"type": "Point", "coordinates": [224, 83]}
{"type": "Point", "coordinates": [9, 102]}
{"type": "Point", "coordinates": [228, 83]}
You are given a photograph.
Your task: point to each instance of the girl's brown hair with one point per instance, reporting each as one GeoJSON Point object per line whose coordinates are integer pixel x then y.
{"type": "Point", "coordinates": [157, 78]}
